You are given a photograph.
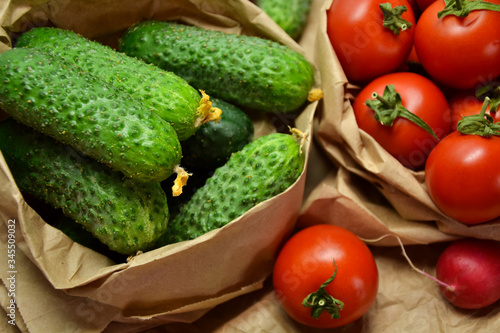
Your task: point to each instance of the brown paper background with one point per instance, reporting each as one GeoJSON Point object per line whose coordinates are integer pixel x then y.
{"type": "Point", "coordinates": [338, 189]}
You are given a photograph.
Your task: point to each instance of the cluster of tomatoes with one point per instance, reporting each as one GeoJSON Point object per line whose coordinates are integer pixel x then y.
{"type": "Point", "coordinates": [428, 74]}
{"type": "Point", "coordinates": [422, 67]}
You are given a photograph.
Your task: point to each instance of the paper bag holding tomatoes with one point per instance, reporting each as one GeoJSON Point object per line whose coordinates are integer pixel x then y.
{"type": "Point", "coordinates": [402, 155]}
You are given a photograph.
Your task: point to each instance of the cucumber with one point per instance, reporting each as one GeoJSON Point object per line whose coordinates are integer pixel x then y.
{"type": "Point", "coordinates": [262, 169]}
{"type": "Point", "coordinates": [123, 214]}
{"type": "Point", "coordinates": [290, 15]}
{"type": "Point", "coordinates": [163, 92]}
{"type": "Point", "coordinates": [212, 145]}
{"type": "Point", "coordinates": [246, 71]}
{"type": "Point", "coordinates": [80, 235]}
{"type": "Point", "coordinates": [77, 108]}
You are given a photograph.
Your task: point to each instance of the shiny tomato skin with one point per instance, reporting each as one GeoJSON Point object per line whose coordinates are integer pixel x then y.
{"type": "Point", "coordinates": [463, 178]}
{"type": "Point", "coordinates": [465, 103]}
{"type": "Point", "coordinates": [365, 48]}
{"type": "Point", "coordinates": [404, 140]}
{"type": "Point", "coordinates": [461, 53]}
{"type": "Point", "coordinates": [306, 261]}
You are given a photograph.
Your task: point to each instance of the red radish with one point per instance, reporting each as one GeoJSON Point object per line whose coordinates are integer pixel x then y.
{"type": "Point", "coordinates": [468, 271]}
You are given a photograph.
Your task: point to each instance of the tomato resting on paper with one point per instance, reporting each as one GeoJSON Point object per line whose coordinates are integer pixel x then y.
{"type": "Point", "coordinates": [462, 48]}
{"type": "Point", "coordinates": [393, 121]}
{"type": "Point", "coordinates": [325, 277]}
{"type": "Point", "coordinates": [462, 174]}
{"type": "Point", "coordinates": [365, 47]}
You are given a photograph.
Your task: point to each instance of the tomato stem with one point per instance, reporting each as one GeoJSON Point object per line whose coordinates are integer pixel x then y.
{"type": "Point", "coordinates": [491, 90]}
{"type": "Point", "coordinates": [389, 106]}
{"type": "Point", "coordinates": [462, 8]}
{"type": "Point", "coordinates": [320, 300]}
{"type": "Point", "coordinates": [393, 19]}
{"type": "Point", "coordinates": [479, 124]}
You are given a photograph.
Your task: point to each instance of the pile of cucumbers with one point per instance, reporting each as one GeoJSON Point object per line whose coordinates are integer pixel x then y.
{"type": "Point", "coordinates": [98, 133]}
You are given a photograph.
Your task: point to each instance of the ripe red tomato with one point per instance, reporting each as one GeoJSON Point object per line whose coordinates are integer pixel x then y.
{"type": "Point", "coordinates": [364, 47]}
{"type": "Point", "coordinates": [406, 141]}
{"type": "Point", "coordinates": [423, 4]}
{"type": "Point", "coordinates": [463, 179]}
{"type": "Point", "coordinates": [465, 103]}
{"type": "Point", "coordinates": [460, 52]}
{"type": "Point", "coordinates": [308, 259]}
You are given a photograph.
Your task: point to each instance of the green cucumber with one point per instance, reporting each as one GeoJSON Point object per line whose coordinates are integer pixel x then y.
{"type": "Point", "coordinates": [262, 169]}
{"type": "Point", "coordinates": [77, 108]}
{"type": "Point", "coordinates": [80, 235]}
{"type": "Point", "coordinates": [212, 145]}
{"type": "Point", "coordinates": [163, 92]}
{"type": "Point", "coordinates": [123, 214]}
{"type": "Point", "coordinates": [290, 15]}
{"type": "Point", "coordinates": [246, 71]}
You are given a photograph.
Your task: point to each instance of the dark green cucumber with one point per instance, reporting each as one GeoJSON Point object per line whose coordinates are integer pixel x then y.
{"type": "Point", "coordinates": [77, 108]}
{"type": "Point", "coordinates": [290, 15]}
{"type": "Point", "coordinates": [78, 234]}
{"type": "Point", "coordinates": [212, 145]}
{"type": "Point", "coordinates": [246, 71]}
{"type": "Point", "coordinates": [163, 92]}
{"type": "Point", "coordinates": [124, 214]}
{"type": "Point", "coordinates": [262, 169]}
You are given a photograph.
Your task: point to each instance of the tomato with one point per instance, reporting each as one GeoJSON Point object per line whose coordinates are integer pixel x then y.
{"type": "Point", "coordinates": [310, 258]}
{"type": "Point", "coordinates": [415, 6]}
{"type": "Point", "coordinates": [463, 178]}
{"type": "Point", "coordinates": [423, 4]}
{"type": "Point", "coordinates": [460, 52]}
{"type": "Point", "coordinates": [405, 140]}
{"type": "Point", "coordinates": [412, 64]}
{"type": "Point", "coordinates": [364, 47]}
{"type": "Point", "coordinates": [465, 103]}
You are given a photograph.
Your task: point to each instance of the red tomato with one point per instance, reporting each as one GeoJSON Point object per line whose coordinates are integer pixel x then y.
{"type": "Point", "coordinates": [464, 103]}
{"type": "Point", "coordinates": [412, 64]}
{"type": "Point", "coordinates": [306, 261]}
{"type": "Point", "coordinates": [463, 178]}
{"type": "Point", "coordinates": [423, 4]}
{"type": "Point", "coordinates": [415, 6]}
{"type": "Point", "coordinates": [405, 140]}
{"type": "Point", "coordinates": [363, 46]}
{"type": "Point", "coordinates": [459, 52]}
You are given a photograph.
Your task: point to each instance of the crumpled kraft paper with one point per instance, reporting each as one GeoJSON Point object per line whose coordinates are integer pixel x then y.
{"type": "Point", "coordinates": [176, 283]}
{"type": "Point", "coordinates": [406, 302]}
{"type": "Point", "coordinates": [363, 180]}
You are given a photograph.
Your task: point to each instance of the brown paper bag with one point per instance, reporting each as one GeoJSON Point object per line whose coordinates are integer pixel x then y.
{"type": "Point", "coordinates": [176, 283]}
{"type": "Point", "coordinates": [364, 188]}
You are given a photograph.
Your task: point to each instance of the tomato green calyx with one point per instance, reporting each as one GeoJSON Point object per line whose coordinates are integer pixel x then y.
{"type": "Point", "coordinates": [493, 92]}
{"type": "Point", "coordinates": [462, 8]}
{"type": "Point", "coordinates": [320, 300]}
{"type": "Point", "coordinates": [393, 19]}
{"type": "Point", "coordinates": [479, 124]}
{"type": "Point", "coordinates": [389, 106]}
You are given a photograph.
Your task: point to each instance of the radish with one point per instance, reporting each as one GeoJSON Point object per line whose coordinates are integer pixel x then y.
{"type": "Point", "coordinates": [468, 272]}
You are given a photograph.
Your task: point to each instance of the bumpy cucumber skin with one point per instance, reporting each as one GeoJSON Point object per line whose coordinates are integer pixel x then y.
{"type": "Point", "coordinates": [212, 145]}
{"type": "Point", "coordinates": [262, 169]}
{"type": "Point", "coordinates": [80, 235]}
{"type": "Point", "coordinates": [290, 15]}
{"type": "Point", "coordinates": [123, 214]}
{"type": "Point", "coordinates": [79, 109]}
{"type": "Point", "coordinates": [163, 92]}
{"type": "Point", "coordinates": [246, 71]}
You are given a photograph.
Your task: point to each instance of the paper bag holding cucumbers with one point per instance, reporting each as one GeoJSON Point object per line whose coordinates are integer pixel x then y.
{"type": "Point", "coordinates": [362, 187]}
{"type": "Point", "coordinates": [180, 281]}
